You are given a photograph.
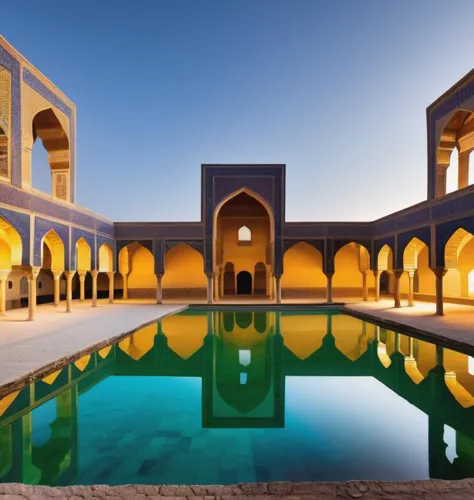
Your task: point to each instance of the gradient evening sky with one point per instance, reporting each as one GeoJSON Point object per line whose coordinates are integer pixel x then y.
{"type": "Point", "coordinates": [337, 90]}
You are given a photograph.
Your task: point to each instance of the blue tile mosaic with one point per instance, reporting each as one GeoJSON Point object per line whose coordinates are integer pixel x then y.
{"type": "Point", "coordinates": [13, 66]}
{"type": "Point", "coordinates": [46, 207]}
{"type": "Point", "coordinates": [157, 231]}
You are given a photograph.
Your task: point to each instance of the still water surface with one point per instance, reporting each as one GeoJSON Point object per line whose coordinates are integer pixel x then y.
{"type": "Point", "coordinates": [226, 397]}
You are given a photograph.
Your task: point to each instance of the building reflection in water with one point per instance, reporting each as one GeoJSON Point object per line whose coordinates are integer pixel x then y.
{"type": "Point", "coordinates": [243, 359]}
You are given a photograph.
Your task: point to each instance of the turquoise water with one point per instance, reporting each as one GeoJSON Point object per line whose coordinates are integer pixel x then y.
{"type": "Point", "coordinates": [219, 398]}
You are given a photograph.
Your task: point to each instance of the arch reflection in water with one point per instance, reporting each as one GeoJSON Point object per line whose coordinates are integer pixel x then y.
{"type": "Point", "coordinates": [221, 397]}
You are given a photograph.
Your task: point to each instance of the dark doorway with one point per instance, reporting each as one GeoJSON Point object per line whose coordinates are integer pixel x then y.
{"type": "Point", "coordinates": [384, 282]}
{"type": "Point", "coordinates": [244, 283]}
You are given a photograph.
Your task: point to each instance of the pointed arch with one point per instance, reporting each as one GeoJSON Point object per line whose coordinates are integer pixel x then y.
{"type": "Point", "coordinates": [106, 259]}
{"type": "Point", "coordinates": [453, 152]}
{"type": "Point", "coordinates": [11, 247]}
{"type": "Point", "coordinates": [242, 208]}
{"type": "Point", "coordinates": [52, 251]}
{"type": "Point", "coordinates": [303, 271]}
{"type": "Point", "coordinates": [83, 255]}
{"type": "Point", "coordinates": [47, 126]}
{"type": "Point", "coordinates": [411, 254]}
{"type": "Point", "coordinates": [385, 259]}
{"type": "Point", "coordinates": [350, 262]}
{"type": "Point", "coordinates": [141, 270]}
{"type": "Point", "coordinates": [459, 261]}
{"type": "Point", "coordinates": [184, 273]}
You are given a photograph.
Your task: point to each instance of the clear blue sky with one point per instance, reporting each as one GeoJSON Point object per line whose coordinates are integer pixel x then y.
{"type": "Point", "coordinates": [337, 90]}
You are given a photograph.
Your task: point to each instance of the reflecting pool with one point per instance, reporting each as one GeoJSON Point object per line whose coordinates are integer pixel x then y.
{"type": "Point", "coordinates": [223, 397]}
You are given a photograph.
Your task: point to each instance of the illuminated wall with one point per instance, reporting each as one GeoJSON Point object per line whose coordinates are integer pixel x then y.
{"type": "Point", "coordinates": [303, 271]}
{"type": "Point", "coordinates": [244, 257]}
{"type": "Point", "coordinates": [142, 278]}
{"type": "Point", "coordinates": [184, 272]}
{"type": "Point", "coordinates": [347, 279]}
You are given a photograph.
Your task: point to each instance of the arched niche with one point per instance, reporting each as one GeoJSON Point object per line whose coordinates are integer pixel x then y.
{"type": "Point", "coordinates": [47, 127]}
{"type": "Point", "coordinates": [184, 273]}
{"type": "Point", "coordinates": [303, 272]}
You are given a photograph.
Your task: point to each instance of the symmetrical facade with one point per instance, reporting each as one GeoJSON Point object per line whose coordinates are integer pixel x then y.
{"type": "Point", "coordinates": [50, 246]}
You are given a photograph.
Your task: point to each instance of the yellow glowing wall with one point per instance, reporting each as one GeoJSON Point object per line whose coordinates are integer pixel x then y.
{"type": "Point", "coordinates": [83, 255]}
{"type": "Point", "coordinates": [5, 255]}
{"type": "Point", "coordinates": [244, 257]}
{"type": "Point", "coordinates": [106, 259]}
{"type": "Point", "coordinates": [465, 266]}
{"type": "Point", "coordinates": [184, 268]}
{"type": "Point", "coordinates": [303, 267]}
{"type": "Point", "coordinates": [347, 276]}
{"type": "Point", "coordinates": [142, 269]}
{"type": "Point", "coordinates": [56, 248]}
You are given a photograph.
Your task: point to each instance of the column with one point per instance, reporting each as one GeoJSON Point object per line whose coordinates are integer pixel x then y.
{"type": "Point", "coordinates": [439, 273]}
{"type": "Point", "coordinates": [159, 289]}
{"type": "Point", "coordinates": [94, 287]}
{"type": "Point", "coordinates": [396, 292]}
{"type": "Point", "coordinates": [329, 276]}
{"type": "Point", "coordinates": [32, 275]}
{"type": "Point", "coordinates": [463, 169]}
{"type": "Point", "coordinates": [221, 282]}
{"type": "Point", "coordinates": [442, 178]}
{"type": "Point", "coordinates": [377, 285]}
{"type": "Point", "coordinates": [125, 286]}
{"type": "Point", "coordinates": [397, 342]}
{"type": "Point", "coordinates": [111, 287]}
{"type": "Point", "coordinates": [411, 274]}
{"type": "Point", "coordinates": [268, 285]}
{"type": "Point", "coordinates": [278, 289]}
{"type": "Point", "coordinates": [365, 288]}
{"type": "Point", "coordinates": [210, 279]}
{"type": "Point", "coordinates": [3, 291]}
{"type": "Point", "coordinates": [216, 286]}
{"type": "Point", "coordinates": [57, 286]}
{"type": "Point", "coordinates": [439, 356]}
{"type": "Point", "coordinates": [82, 285]}
{"type": "Point", "coordinates": [69, 275]}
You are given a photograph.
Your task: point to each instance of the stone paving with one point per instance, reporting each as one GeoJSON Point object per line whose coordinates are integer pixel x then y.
{"type": "Point", "coordinates": [29, 349]}
{"type": "Point", "coordinates": [365, 490]}
{"type": "Point", "coordinates": [456, 326]}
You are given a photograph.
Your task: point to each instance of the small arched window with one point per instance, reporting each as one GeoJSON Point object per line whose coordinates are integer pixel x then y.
{"type": "Point", "coordinates": [244, 236]}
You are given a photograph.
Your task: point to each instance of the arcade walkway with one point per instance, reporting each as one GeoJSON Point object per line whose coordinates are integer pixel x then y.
{"type": "Point", "coordinates": [29, 348]}
{"type": "Point", "coordinates": [455, 326]}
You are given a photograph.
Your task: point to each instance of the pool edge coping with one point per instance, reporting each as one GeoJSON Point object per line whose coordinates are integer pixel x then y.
{"type": "Point", "coordinates": [272, 490]}
{"type": "Point", "coordinates": [23, 380]}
